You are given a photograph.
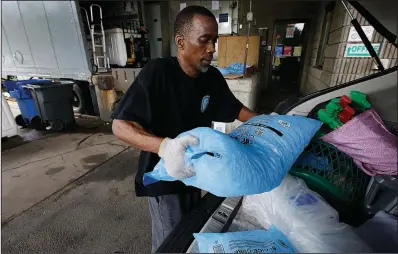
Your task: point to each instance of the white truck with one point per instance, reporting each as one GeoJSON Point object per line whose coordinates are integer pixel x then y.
{"type": "Point", "coordinates": [66, 40]}
{"type": "Point", "coordinates": [53, 39]}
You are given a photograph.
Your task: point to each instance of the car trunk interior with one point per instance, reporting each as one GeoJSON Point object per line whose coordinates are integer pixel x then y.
{"type": "Point", "coordinates": [218, 214]}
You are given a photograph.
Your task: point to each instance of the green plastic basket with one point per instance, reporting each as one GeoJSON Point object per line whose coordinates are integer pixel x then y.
{"type": "Point", "coordinates": [332, 174]}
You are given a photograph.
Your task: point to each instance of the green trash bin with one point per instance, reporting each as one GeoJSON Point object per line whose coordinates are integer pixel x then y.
{"type": "Point", "coordinates": [54, 103]}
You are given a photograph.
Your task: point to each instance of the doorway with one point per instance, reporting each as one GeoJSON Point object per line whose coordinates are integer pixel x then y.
{"type": "Point", "coordinates": [285, 63]}
{"type": "Point", "coordinates": [287, 58]}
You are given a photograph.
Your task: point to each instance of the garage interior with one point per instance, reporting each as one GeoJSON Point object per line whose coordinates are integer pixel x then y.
{"type": "Point", "coordinates": [73, 190]}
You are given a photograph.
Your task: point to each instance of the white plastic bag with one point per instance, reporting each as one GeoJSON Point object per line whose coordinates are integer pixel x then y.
{"type": "Point", "coordinates": [309, 223]}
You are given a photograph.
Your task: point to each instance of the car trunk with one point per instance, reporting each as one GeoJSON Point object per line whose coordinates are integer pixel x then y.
{"type": "Point", "coordinates": [216, 214]}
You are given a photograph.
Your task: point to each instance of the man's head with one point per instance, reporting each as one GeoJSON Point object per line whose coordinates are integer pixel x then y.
{"type": "Point", "coordinates": [196, 32]}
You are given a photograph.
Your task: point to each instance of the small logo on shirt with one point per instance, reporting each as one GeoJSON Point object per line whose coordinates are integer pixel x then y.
{"type": "Point", "coordinates": [205, 103]}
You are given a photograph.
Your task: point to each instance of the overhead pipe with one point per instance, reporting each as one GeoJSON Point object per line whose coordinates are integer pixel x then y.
{"type": "Point", "coordinates": [249, 18]}
{"type": "Point", "coordinates": [143, 13]}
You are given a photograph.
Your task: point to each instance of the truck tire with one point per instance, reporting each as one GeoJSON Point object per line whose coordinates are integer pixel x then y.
{"type": "Point", "coordinates": [79, 103]}
{"type": "Point", "coordinates": [57, 125]}
{"type": "Point", "coordinates": [20, 121]}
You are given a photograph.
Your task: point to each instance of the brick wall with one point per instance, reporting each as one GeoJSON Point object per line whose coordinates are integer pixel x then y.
{"type": "Point", "coordinates": [336, 68]}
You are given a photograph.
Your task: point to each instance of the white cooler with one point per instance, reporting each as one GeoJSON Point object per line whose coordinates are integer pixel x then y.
{"type": "Point", "coordinates": [116, 47]}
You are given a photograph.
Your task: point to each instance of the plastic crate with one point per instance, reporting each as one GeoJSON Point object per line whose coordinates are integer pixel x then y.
{"type": "Point", "coordinates": [332, 174]}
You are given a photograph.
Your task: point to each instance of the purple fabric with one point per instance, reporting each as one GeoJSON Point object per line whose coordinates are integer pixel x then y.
{"type": "Point", "coordinates": [367, 140]}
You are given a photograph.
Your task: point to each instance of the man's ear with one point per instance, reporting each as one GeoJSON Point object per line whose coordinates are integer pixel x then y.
{"type": "Point", "coordinates": [179, 39]}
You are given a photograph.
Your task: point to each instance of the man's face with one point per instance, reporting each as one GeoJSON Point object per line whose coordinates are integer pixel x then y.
{"type": "Point", "coordinates": [199, 42]}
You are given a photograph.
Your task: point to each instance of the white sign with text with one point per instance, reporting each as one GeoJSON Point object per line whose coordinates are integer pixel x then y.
{"type": "Point", "coordinates": [354, 36]}
{"type": "Point", "coordinates": [359, 50]}
{"type": "Point", "coordinates": [215, 5]}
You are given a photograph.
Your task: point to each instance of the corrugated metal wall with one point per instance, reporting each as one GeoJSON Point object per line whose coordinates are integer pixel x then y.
{"type": "Point", "coordinates": [43, 38]}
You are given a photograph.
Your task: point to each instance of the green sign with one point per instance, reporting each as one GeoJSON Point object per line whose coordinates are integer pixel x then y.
{"type": "Point", "coordinates": [359, 50]}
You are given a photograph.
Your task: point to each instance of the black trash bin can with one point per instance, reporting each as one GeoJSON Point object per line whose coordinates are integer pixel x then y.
{"type": "Point", "coordinates": [54, 102]}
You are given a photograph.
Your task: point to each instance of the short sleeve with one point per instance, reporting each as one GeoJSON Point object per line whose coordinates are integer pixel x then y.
{"type": "Point", "coordinates": [134, 105]}
{"type": "Point", "coordinates": [228, 106]}
{"type": "Point", "coordinates": [139, 102]}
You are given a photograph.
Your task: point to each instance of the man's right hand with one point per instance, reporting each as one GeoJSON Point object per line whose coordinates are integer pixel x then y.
{"type": "Point", "coordinates": [172, 151]}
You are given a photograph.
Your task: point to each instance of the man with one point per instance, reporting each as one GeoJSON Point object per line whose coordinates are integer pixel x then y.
{"type": "Point", "coordinates": [168, 97]}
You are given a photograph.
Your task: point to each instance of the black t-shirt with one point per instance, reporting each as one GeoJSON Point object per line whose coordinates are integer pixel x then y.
{"type": "Point", "coordinates": [167, 102]}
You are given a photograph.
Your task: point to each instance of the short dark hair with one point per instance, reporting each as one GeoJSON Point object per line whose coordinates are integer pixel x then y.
{"type": "Point", "coordinates": [183, 21]}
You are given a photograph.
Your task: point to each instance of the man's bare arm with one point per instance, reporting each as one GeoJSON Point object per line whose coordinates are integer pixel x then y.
{"type": "Point", "coordinates": [245, 114]}
{"type": "Point", "coordinates": [134, 134]}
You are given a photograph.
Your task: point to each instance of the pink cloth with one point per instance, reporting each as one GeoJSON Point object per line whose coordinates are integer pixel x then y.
{"type": "Point", "coordinates": [367, 140]}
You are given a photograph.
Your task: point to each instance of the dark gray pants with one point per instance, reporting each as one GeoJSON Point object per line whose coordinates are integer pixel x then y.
{"type": "Point", "coordinates": [166, 211]}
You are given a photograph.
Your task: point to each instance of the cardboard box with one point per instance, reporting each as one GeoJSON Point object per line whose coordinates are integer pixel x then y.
{"type": "Point", "coordinates": [232, 49]}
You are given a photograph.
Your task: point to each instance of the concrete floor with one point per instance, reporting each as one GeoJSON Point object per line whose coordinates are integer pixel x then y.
{"type": "Point", "coordinates": [72, 192]}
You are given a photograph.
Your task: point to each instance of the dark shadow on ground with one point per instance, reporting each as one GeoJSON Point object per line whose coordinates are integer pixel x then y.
{"type": "Point", "coordinates": [84, 124]}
